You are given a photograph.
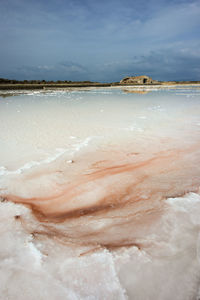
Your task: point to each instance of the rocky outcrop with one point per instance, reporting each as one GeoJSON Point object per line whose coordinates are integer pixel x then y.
{"type": "Point", "coordinates": [138, 80]}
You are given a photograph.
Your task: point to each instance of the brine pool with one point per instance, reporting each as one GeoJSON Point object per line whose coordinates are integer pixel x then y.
{"type": "Point", "coordinates": [100, 193]}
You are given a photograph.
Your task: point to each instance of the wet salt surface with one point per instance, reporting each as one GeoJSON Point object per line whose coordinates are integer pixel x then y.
{"type": "Point", "coordinates": [100, 194]}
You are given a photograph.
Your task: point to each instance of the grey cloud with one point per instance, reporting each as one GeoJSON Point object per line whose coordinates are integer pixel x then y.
{"type": "Point", "coordinates": [61, 71]}
{"type": "Point", "coordinates": [93, 40]}
{"type": "Point", "coordinates": [164, 64]}
{"type": "Point", "coordinates": [161, 65]}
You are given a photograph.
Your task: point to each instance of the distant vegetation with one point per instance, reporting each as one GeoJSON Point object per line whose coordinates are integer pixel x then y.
{"type": "Point", "coordinates": [9, 84]}
{"type": "Point", "coordinates": [13, 81]}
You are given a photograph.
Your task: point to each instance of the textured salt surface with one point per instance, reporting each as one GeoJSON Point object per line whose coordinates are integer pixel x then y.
{"type": "Point", "coordinates": [110, 183]}
{"type": "Point", "coordinates": [36, 266]}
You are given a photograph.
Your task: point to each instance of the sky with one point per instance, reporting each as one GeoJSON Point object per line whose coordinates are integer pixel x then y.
{"type": "Point", "coordinates": [99, 40]}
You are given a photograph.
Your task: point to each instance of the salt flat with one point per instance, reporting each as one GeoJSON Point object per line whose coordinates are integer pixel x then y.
{"type": "Point", "coordinates": [100, 194]}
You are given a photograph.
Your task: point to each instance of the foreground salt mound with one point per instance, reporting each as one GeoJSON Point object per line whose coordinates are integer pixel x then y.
{"type": "Point", "coordinates": [37, 266]}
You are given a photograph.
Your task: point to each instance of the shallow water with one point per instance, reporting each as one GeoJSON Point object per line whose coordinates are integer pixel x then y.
{"type": "Point", "coordinates": [110, 183]}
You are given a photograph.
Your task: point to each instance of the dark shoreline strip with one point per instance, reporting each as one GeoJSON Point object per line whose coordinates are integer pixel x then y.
{"type": "Point", "coordinates": [43, 86]}
{"type": "Point", "coordinates": [21, 86]}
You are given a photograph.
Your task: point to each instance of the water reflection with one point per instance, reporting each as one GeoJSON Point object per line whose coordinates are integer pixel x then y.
{"type": "Point", "coordinates": [136, 91]}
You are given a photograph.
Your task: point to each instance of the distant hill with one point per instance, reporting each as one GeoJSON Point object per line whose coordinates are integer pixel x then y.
{"type": "Point", "coordinates": [138, 80]}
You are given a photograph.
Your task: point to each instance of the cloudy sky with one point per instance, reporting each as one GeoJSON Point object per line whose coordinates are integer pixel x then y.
{"type": "Point", "coordinates": [99, 40]}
